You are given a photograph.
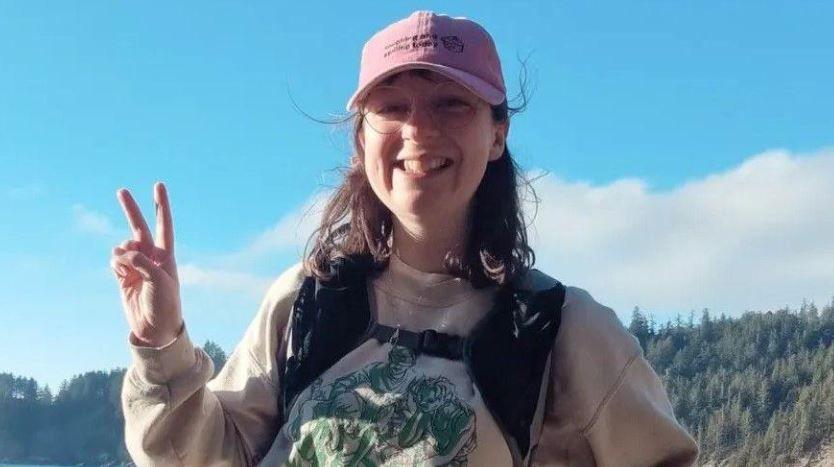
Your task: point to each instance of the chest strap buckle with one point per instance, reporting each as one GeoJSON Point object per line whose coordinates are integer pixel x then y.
{"type": "Point", "coordinates": [429, 342]}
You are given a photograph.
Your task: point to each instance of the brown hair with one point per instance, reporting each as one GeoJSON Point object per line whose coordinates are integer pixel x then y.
{"type": "Point", "coordinates": [355, 222]}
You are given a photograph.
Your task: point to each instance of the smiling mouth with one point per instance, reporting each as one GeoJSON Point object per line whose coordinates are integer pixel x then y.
{"type": "Point", "coordinates": [422, 167]}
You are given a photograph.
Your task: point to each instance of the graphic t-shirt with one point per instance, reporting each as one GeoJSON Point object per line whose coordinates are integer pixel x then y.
{"type": "Point", "coordinates": [383, 403]}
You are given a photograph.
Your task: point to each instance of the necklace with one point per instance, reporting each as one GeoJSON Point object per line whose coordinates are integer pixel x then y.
{"type": "Point", "coordinates": [418, 313]}
{"type": "Point", "coordinates": [397, 312]}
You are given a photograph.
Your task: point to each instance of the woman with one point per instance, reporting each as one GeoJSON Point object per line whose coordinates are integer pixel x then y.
{"type": "Point", "coordinates": [416, 331]}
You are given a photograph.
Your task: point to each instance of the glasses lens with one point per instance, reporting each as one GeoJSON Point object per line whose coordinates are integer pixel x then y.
{"type": "Point", "coordinates": [453, 106]}
{"type": "Point", "coordinates": [386, 108]}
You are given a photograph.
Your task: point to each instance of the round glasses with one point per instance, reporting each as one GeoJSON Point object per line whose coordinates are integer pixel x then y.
{"type": "Point", "coordinates": [387, 108]}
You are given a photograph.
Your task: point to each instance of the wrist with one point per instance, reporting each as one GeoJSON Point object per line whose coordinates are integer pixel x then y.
{"type": "Point", "coordinates": [161, 365]}
{"type": "Point", "coordinates": [160, 341]}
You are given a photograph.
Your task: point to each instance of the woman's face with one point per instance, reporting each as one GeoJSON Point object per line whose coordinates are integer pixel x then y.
{"type": "Point", "coordinates": [429, 168]}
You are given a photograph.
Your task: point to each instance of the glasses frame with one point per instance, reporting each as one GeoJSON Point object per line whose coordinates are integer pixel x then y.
{"type": "Point", "coordinates": [396, 125]}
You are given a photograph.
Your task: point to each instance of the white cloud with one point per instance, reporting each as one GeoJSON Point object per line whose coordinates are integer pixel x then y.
{"type": "Point", "coordinates": [755, 237]}
{"type": "Point", "coordinates": [27, 191]}
{"type": "Point", "coordinates": [288, 235]}
{"type": "Point", "coordinates": [218, 280]}
{"type": "Point", "coordinates": [758, 236]}
{"type": "Point", "coordinates": [87, 220]}
{"type": "Point", "coordinates": [232, 273]}
{"type": "Point", "coordinates": [33, 264]}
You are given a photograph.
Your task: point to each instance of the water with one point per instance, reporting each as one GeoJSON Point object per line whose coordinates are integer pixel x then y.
{"type": "Point", "coordinates": [32, 465]}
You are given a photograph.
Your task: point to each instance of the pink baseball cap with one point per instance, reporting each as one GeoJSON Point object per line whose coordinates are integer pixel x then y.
{"type": "Point", "coordinates": [457, 48]}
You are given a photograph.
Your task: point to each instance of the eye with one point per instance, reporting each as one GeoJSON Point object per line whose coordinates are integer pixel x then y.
{"type": "Point", "coordinates": [388, 102]}
{"type": "Point", "coordinates": [391, 109]}
{"type": "Point", "coordinates": [453, 104]}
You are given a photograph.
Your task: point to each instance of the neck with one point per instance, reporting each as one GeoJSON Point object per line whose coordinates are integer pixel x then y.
{"type": "Point", "coordinates": [424, 247]}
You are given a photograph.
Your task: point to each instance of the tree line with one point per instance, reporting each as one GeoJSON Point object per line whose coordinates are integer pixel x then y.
{"type": "Point", "coordinates": [753, 390]}
{"type": "Point", "coordinates": [81, 424]}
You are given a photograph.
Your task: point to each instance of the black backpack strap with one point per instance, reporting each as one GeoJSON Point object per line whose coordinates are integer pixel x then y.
{"type": "Point", "coordinates": [328, 321]}
{"type": "Point", "coordinates": [428, 342]}
{"type": "Point", "coordinates": [507, 353]}
{"type": "Point", "coordinates": [296, 377]}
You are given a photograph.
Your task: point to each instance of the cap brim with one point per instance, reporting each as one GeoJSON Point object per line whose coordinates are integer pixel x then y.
{"type": "Point", "coordinates": [479, 87]}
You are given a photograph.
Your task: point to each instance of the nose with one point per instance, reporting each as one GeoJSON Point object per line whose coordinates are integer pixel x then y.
{"type": "Point", "coordinates": [420, 124]}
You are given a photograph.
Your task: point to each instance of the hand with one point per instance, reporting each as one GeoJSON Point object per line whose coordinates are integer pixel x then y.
{"type": "Point", "coordinates": [147, 272]}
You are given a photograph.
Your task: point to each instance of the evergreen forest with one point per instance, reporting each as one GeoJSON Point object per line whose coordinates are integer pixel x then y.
{"type": "Point", "coordinates": [753, 390]}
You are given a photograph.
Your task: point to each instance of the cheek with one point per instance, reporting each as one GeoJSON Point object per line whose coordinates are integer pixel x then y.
{"type": "Point", "coordinates": [473, 176]}
{"type": "Point", "coordinates": [374, 172]}
{"type": "Point", "coordinates": [377, 166]}
{"type": "Point", "coordinates": [477, 156]}
{"type": "Point", "coordinates": [474, 166]}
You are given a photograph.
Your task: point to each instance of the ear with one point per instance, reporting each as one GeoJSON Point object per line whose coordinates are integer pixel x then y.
{"type": "Point", "coordinates": [500, 140]}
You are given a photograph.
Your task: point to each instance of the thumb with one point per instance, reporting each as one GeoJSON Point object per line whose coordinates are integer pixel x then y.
{"type": "Point", "coordinates": [141, 263]}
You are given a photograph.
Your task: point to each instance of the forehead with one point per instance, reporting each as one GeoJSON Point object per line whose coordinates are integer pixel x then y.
{"type": "Point", "coordinates": [421, 80]}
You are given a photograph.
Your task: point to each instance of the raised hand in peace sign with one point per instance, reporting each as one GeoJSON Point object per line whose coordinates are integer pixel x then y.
{"type": "Point", "coordinates": [147, 272]}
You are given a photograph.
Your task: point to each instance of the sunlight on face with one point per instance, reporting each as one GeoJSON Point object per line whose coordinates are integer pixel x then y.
{"type": "Point", "coordinates": [427, 141]}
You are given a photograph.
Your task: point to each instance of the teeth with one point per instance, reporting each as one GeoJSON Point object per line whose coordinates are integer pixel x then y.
{"type": "Point", "coordinates": [419, 166]}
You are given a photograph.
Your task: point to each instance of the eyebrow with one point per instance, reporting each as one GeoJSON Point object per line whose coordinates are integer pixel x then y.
{"type": "Point", "coordinates": [420, 73]}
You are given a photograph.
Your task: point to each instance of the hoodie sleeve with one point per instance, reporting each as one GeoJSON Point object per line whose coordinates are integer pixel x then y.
{"type": "Point", "coordinates": [635, 424]}
{"type": "Point", "coordinates": [606, 405]}
{"type": "Point", "coordinates": [175, 416]}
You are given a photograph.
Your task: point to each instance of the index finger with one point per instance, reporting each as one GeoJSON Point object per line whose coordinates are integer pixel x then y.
{"type": "Point", "coordinates": [164, 219]}
{"type": "Point", "coordinates": [134, 217]}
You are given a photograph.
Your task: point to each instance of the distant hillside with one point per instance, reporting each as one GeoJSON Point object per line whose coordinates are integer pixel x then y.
{"type": "Point", "coordinates": [81, 425]}
{"type": "Point", "coordinates": [755, 390]}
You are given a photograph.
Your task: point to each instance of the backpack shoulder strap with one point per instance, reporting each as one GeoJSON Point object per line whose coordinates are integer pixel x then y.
{"type": "Point", "coordinates": [328, 319]}
{"type": "Point", "coordinates": [509, 349]}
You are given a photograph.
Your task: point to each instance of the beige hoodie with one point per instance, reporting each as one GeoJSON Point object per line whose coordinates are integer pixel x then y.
{"type": "Point", "coordinates": [605, 405]}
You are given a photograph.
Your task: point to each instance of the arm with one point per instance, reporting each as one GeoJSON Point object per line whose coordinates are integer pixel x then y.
{"type": "Point", "coordinates": [635, 424]}
{"type": "Point", "coordinates": [175, 416]}
{"type": "Point", "coordinates": [606, 406]}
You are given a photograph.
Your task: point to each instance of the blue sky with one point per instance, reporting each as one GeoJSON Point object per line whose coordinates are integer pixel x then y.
{"type": "Point", "coordinates": [689, 149]}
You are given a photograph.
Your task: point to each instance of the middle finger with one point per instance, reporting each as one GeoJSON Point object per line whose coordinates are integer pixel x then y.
{"type": "Point", "coordinates": [164, 219]}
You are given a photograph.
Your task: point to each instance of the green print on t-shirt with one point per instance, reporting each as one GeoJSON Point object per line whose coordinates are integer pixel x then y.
{"type": "Point", "coordinates": [385, 413]}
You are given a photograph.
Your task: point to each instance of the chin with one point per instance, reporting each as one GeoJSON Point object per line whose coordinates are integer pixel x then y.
{"type": "Point", "coordinates": [419, 207]}
{"type": "Point", "coordinates": [434, 213]}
